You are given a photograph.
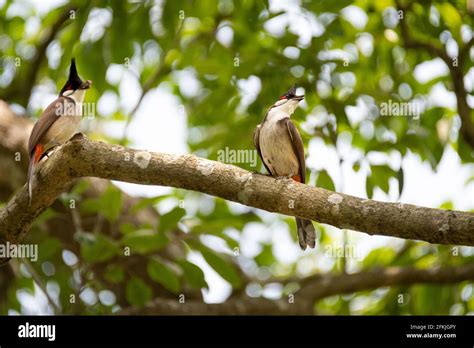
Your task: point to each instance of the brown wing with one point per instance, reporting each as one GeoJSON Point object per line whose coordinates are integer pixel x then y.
{"type": "Point", "coordinates": [49, 115]}
{"type": "Point", "coordinates": [256, 143]}
{"type": "Point", "coordinates": [298, 147]}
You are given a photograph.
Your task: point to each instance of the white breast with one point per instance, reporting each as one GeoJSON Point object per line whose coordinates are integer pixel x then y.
{"type": "Point", "coordinates": [275, 145]}
{"type": "Point", "coordinates": [77, 95]}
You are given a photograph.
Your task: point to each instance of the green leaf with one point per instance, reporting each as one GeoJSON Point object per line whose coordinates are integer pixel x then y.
{"type": "Point", "coordinates": [49, 248]}
{"type": "Point", "coordinates": [170, 220]}
{"type": "Point", "coordinates": [80, 188]}
{"type": "Point", "coordinates": [111, 203]}
{"type": "Point", "coordinates": [160, 273]}
{"type": "Point", "coordinates": [447, 205]}
{"type": "Point", "coordinates": [450, 15]}
{"type": "Point", "coordinates": [46, 216]}
{"type": "Point", "coordinates": [469, 180]}
{"type": "Point", "coordinates": [400, 177]}
{"type": "Point", "coordinates": [90, 206]}
{"type": "Point", "coordinates": [322, 6]}
{"type": "Point", "coordinates": [265, 258]}
{"type": "Point", "coordinates": [114, 274]}
{"type": "Point", "coordinates": [193, 275]}
{"type": "Point", "coordinates": [26, 284]}
{"type": "Point", "coordinates": [356, 167]}
{"type": "Point", "coordinates": [379, 257]}
{"type": "Point", "coordinates": [431, 299]}
{"type": "Point", "coordinates": [98, 248]}
{"type": "Point", "coordinates": [127, 227]}
{"type": "Point", "coordinates": [379, 176]}
{"type": "Point", "coordinates": [147, 202]}
{"type": "Point", "coordinates": [222, 267]}
{"type": "Point", "coordinates": [216, 228]}
{"type": "Point", "coordinates": [145, 241]}
{"type": "Point", "coordinates": [137, 292]}
{"type": "Point", "coordinates": [369, 186]}
{"type": "Point", "coordinates": [16, 27]}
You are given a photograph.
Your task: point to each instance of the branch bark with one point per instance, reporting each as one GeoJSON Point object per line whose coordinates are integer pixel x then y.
{"type": "Point", "coordinates": [14, 133]}
{"type": "Point", "coordinates": [81, 157]}
{"type": "Point", "coordinates": [320, 286]}
{"type": "Point", "coordinates": [234, 306]}
{"type": "Point", "coordinates": [313, 289]}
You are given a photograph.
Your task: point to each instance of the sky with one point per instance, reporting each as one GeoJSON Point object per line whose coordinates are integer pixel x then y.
{"type": "Point", "coordinates": [166, 131]}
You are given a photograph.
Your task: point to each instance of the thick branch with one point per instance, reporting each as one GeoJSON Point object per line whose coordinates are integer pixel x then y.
{"type": "Point", "coordinates": [63, 225]}
{"type": "Point", "coordinates": [82, 157]}
{"type": "Point", "coordinates": [313, 289]}
{"type": "Point", "coordinates": [234, 306]}
{"type": "Point", "coordinates": [321, 286]}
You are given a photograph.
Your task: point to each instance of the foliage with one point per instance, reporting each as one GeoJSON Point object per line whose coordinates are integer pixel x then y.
{"type": "Point", "coordinates": [340, 65]}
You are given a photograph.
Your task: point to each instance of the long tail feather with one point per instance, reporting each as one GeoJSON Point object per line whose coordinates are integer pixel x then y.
{"type": "Point", "coordinates": [306, 233]}
{"type": "Point", "coordinates": [31, 172]}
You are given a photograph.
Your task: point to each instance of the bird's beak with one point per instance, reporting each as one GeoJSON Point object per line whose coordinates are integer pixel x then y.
{"type": "Point", "coordinates": [86, 85]}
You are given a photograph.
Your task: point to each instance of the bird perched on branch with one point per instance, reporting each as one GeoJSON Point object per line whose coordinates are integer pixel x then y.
{"type": "Point", "coordinates": [281, 149]}
{"type": "Point", "coordinates": [58, 122]}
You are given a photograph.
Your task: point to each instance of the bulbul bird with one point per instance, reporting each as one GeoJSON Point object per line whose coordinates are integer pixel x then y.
{"type": "Point", "coordinates": [281, 149]}
{"type": "Point", "coordinates": [58, 122]}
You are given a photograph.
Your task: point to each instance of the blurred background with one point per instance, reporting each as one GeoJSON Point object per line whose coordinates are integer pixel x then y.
{"type": "Point", "coordinates": [197, 77]}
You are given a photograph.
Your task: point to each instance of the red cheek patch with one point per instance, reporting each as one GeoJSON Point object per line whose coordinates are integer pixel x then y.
{"type": "Point", "coordinates": [38, 152]}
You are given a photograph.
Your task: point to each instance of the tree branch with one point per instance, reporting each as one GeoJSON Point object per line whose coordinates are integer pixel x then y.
{"type": "Point", "coordinates": [14, 133]}
{"type": "Point", "coordinates": [234, 306]}
{"type": "Point", "coordinates": [21, 90]}
{"type": "Point", "coordinates": [464, 51]}
{"type": "Point", "coordinates": [41, 284]}
{"type": "Point", "coordinates": [411, 42]}
{"type": "Point", "coordinates": [160, 72]}
{"type": "Point", "coordinates": [456, 72]}
{"type": "Point", "coordinates": [325, 285]}
{"type": "Point", "coordinates": [81, 157]}
{"type": "Point", "coordinates": [313, 289]}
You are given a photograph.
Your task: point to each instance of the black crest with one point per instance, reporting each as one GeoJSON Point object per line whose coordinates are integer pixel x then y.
{"type": "Point", "coordinates": [74, 81]}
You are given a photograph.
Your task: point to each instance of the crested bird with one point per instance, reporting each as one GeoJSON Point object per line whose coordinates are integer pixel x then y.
{"type": "Point", "coordinates": [58, 122]}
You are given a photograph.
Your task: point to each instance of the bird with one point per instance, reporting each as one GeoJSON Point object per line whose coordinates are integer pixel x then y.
{"type": "Point", "coordinates": [281, 150]}
{"type": "Point", "coordinates": [58, 122]}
